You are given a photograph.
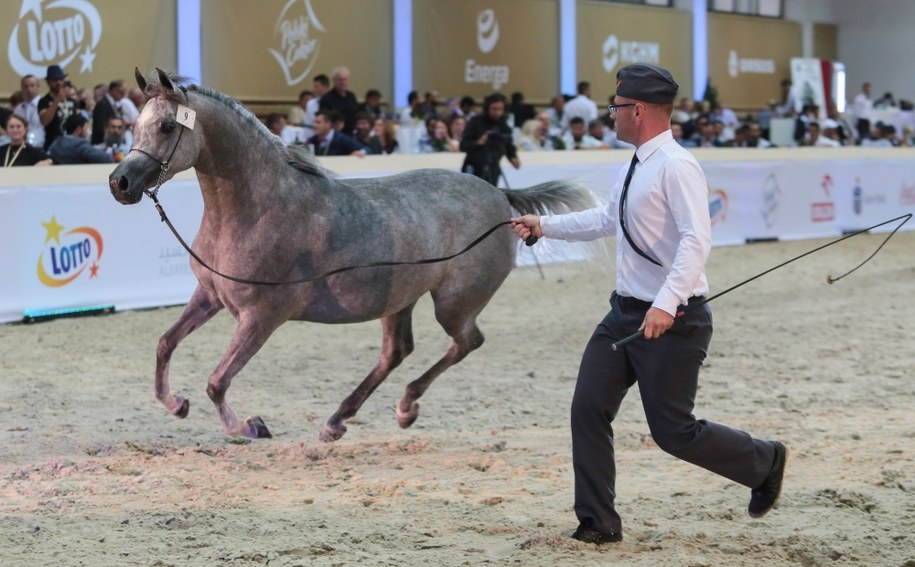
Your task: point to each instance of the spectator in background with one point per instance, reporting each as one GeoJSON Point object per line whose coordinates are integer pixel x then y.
{"type": "Point", "coordinates": [413, 112]}
{"type": "Point", "coordinates": [676, 129]}
{"type": "Point", "coordinates": [340, 99]}
{"type": "Point", "coordinates": [468, 106]}
{"type": "Point", "coordinates": [362, 133]}
{"type": "Point", "coordinates": [555, 112]}
{"type": "Point", "coordinates": [73, 147]}
{"type": "Point", "coordinates": [107, 108]}
{"type": "Point", "coordinates": [18, 152]}
{"type": "Point", "coordinates": [863, 109]}
{"type": "Point", "coordinates": [521, 112]}
{"type": "Point", "coordinates": [372, 105]}
{"type": "Point", "coordinates": [829, 138]}
{"type": "Point", "coordinates": [276, 123]}
{"type": "Point", "coordinates": [581, 106]}
{"type": "Point", "coordinates": [885, 102]}
{"type": "Point", "coordinates": [577, 138]}
{"type": "Point", "coordinates": [786, 106]}
{"type": "Point", "coordinates": [319, 85]}
{"type": "Point", "coordinates": [28, 109]}
{"type": "Point", "coordinates": [54, 108]}
{"type": "Point", "coordinates": [597, 131]}
{"type": "Point", "coordinates": [456, 126]}
{"type": "Point", "coordinates": [430, 104]}
{"type": "Point", "coordinates": [118, 139]}
{"type": "Point", "coordinates": [754, 137]}
{"type": "Point", "coordinates": [296, 114]}
{"type": "Point", "coordinates": [329, 142]}
{"type": "Point", "coordinates": [384, 139]}
{"type": "Point", "coordinates": [137, 97]}
{"type": "Point", "coordinates": [488, 139]}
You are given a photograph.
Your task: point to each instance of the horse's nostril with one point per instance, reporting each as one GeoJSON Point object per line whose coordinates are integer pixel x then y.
{"type": "Point", "coordinates": [122, 183]}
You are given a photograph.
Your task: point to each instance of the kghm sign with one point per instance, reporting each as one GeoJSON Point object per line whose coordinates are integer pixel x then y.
{"type": "Point", "coordinates": [55, 32]}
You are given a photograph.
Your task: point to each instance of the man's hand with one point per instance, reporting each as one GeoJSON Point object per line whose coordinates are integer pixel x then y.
{"type": "Point", "coordinates": [656, 322]}
{"type": "Point", "coordinates": [526, 226]}
{"type": "Point", "coordinates": [515, 162]}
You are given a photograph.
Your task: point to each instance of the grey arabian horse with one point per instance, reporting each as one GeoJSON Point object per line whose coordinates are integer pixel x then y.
{"type": "Point", "coordinates": [273, 213]}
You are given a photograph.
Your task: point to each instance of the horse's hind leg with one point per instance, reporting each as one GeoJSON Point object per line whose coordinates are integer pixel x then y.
{"type": "Point", "coordinates": [462, 327]}
{"type": "Point", "coordinates": [397, 344]}
{"type": "Point", "coordinates": [198, 311]}
{"type": "Point", "coordinates": [250, 335]}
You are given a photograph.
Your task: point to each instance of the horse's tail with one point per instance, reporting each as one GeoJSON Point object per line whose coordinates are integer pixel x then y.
{"type": "Point", "coordinates": [550, 197]}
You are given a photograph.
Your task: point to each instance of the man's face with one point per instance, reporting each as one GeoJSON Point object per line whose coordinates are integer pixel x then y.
{"type": "Point", "coordinates": [624, 120]}
{"type": "Point", "coordinates": [319, 88]}
{"type": "Point", "coordinates": [363, 126]}
{"type": "Point", "coordinates": [496, 110]}
{"type": "Point", "coordinates": [115, 129]}
{"type": "Point", "coordinates": [29, 88]}
{"type": "Point", "coordinates": [54, 85]}
{"type": "Point", "coordinates": [577, 129]}
{"type": "Point", "coordinates": [321, 125]}
{"type": "Point", "coordinates": [118, 93]}
{"type": "Point", "coordinates": [341, 81]}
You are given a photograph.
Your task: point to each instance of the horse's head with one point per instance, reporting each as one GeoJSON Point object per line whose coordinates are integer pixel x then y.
{"type": "Point", "coordinates": [164, 142]}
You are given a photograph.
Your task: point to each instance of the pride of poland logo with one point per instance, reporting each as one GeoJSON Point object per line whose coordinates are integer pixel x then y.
{"type": "Point", "coordinates": [54, 33]}
{"type": "Point", "coordinates": [67, 253]}
{"type": "Point", "coordinates": [297, 44]}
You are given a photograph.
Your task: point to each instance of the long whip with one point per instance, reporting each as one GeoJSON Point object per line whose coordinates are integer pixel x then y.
{"type": "Point", "coordinates": [829, 279]}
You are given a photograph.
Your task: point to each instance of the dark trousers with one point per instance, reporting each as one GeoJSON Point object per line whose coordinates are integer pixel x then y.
{"type": "Point", "coordinates": [667, 372]}
{"type": "Point", "coordinates": [863, 125]}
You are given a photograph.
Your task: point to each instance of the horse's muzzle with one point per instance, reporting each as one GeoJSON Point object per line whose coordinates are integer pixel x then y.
{"type": "Point", "coordinates": [122, 191]}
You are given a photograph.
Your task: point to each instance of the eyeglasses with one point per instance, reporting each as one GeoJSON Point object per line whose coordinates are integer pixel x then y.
{"type": "Point", "coordinates": [614, 107]}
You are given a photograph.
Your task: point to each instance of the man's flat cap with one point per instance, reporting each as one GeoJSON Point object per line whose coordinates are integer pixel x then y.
{"type": "Point", "coordinates": [647, 83]}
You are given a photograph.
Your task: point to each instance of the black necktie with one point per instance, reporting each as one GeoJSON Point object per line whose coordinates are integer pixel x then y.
{"type": "Point", "coordinates": [622, 219]}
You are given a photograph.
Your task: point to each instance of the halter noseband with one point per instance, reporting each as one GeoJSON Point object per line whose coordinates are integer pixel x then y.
{"type": "Point", "coordinates": [164, 165]}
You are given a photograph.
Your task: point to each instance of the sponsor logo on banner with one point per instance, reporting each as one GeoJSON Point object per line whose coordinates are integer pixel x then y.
{"type": "Point", "coordinates": [53, 33]}
{"type": "Point", "coordinates": [738, 65]}
{"type": "Point", "coordinates": [861, 198]}
{"type": "Point", "coordinates": [718, 206]}
{"type": "Point", "coordinates": [824, 211]}
{"type": "Point", "coordinates": [68, 254]}
{"type": "Point", "coordinates": [627, 52]}
{"type": "Point", "coordinates": [907, 195]}
{"type": "Point", "coordinates": [487, 38]}
{"type": "Point", "coordinates": [297, 40]}
{"type": "Point", "coordinates": [173, 261]}
{"type": "Point", "coordinates": [771, 195]}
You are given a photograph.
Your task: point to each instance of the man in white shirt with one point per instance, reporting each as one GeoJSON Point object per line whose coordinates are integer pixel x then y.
{"type": "Point", "coordinates": [659, 214]}
{"type": "Point", "coordinates": [28, 109]}
{"type": "Point", "coordinates": [581, 106]}
{"type": "Point", "coordinates": [863, 109]}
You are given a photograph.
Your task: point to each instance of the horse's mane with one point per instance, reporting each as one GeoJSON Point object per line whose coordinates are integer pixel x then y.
{"type": "Point", "coordinates": [297, 156]}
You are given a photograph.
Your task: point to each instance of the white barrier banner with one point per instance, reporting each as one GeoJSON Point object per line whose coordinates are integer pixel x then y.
{"type": "Point", "coordinates": [74, 246]}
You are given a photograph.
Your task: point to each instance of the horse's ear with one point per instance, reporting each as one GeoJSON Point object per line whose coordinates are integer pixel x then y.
{"type": "Point", "coordinates": [164, 80]}
{"type": "Point", "coordinates": [141, 80]}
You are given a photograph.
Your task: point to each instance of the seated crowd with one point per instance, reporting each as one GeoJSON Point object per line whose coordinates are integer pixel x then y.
{"type": "Point", "coordinates": [68, 125]}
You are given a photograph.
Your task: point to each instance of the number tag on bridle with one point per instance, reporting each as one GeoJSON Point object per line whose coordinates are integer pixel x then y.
{"type": "Point", "coordinates": [186, 117]}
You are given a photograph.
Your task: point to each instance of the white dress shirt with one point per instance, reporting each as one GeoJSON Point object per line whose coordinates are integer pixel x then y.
{"type": "Point", "coordinates": [667, 217]}
{"type": "Point", "coordinates": [863, 107]}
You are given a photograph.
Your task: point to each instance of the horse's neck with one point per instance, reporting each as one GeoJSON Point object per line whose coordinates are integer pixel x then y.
{"type": "Point", "coordinates": [242, 172]}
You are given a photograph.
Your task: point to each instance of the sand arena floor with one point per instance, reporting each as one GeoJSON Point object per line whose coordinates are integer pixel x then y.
{"type": "Point", "coordinates": [93, 471]}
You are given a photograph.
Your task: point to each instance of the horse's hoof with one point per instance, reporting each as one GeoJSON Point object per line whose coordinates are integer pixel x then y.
{"type": "Point", "coordinates": [181, 413]}
{"type": "Point", "coordinates": [406, 419]}
{"type": "Point", "coordinates": [256, 428]}
{"type": "Point", "coordinates": [329, 433]}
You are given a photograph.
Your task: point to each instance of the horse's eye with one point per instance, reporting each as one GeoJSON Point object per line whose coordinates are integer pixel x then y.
{"type": "Point", "coordinates": [168, 127]}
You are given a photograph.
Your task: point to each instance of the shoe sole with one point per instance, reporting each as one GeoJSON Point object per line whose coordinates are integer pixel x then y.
{"type": "Point", "coordinates": [778, 494]}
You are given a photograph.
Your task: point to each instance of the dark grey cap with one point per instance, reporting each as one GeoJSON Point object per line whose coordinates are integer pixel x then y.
{"type": "Point", "coordinates": [647, 83]}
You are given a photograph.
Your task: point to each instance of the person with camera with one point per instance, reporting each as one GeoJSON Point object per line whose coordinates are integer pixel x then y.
{"type": "Point", "coordinates": [487, 139]}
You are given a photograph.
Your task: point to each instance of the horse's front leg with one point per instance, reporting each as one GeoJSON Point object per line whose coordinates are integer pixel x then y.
{"type": "Point", "coordinates": [250, 336]}
{"type": "Point", "coordinates": [199, 310]}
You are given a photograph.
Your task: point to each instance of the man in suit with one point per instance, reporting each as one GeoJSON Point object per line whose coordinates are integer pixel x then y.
{"type": "Point", "coordinates": [106, 109]}
{"type": "Point", "coordinates": [329, 142]}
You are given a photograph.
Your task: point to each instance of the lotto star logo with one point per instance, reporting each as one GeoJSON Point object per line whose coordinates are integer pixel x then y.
{"type": "Point", "coordinates": [68, 253]}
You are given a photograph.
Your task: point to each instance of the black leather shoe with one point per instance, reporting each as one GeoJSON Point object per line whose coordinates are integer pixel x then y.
{"type": "Point", "coordinates": [764, 497]}
{"type": "Point", "coordinates": [597, 538]}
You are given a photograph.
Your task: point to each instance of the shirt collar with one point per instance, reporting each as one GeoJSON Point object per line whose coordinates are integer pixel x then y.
{"type": "Point", "coordinates": [645, 150]}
